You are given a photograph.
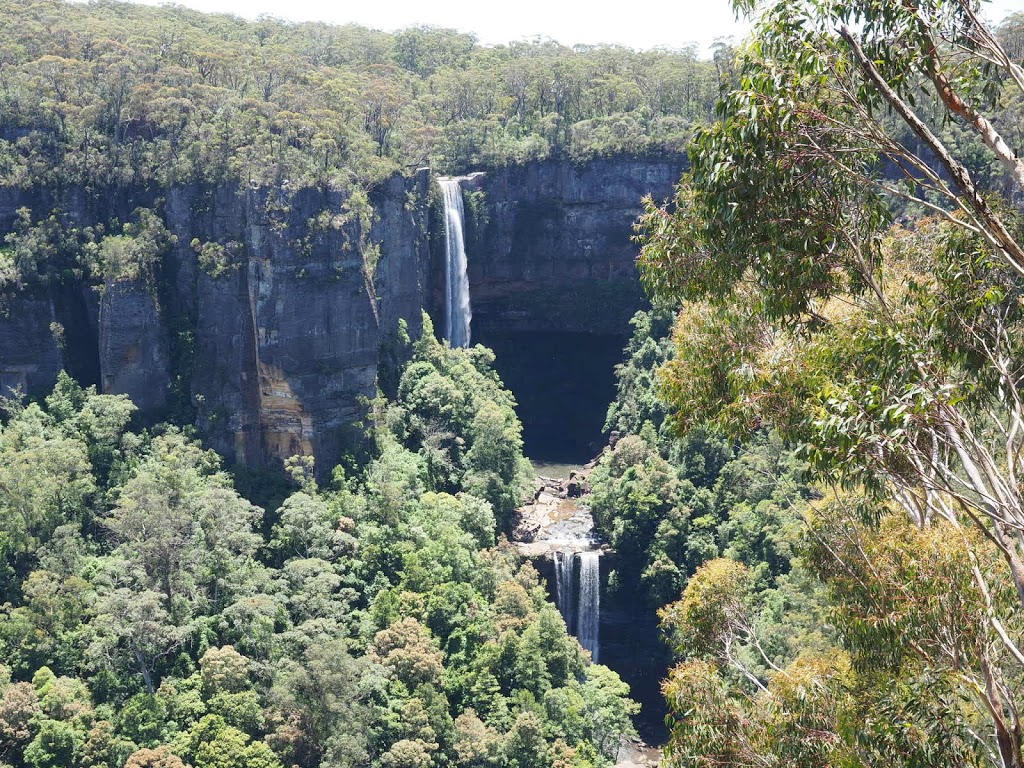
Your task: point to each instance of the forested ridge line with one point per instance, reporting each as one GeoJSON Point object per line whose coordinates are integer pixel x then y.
{"type": "Point", "coordinates": [110, 93]}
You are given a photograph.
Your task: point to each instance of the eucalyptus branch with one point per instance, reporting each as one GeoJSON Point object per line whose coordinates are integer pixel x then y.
{"type": "Point", "coordinates": [986, 594]}
{"type": "Point", "coordinates": [990, 41]}
{"type": "Point", "coordinates": [908, 196]}
{"type": "Point", "coordinates": [995, 231]}
{"type": "Point", "coordinates": [737, 665]}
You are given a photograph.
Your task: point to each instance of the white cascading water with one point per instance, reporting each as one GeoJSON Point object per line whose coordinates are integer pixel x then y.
{"type": "Point", "coordinates": [582, 611]}
{"type": "Point", "coordinates": [589, 604]}
{"type": "Point", "coordinates": [457, 310]}
{"type": "Point", "coordinates": [565, 561]}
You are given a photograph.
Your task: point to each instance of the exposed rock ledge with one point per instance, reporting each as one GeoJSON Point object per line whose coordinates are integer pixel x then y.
{"type": "Point", "coordinates": [557, 518]}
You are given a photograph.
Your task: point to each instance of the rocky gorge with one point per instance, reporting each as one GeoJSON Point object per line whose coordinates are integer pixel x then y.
{"type": "Point", "coordinates": [274, 351]}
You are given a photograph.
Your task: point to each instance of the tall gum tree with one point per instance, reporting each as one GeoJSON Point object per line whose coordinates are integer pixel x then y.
{"type": "Point", "coordinates": [893, 356]}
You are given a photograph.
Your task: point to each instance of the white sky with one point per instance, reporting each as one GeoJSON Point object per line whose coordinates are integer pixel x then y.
{"type": "Point", "coordinates": [634, 23]}
{"type": "Point", "coordinates": [646, 24]}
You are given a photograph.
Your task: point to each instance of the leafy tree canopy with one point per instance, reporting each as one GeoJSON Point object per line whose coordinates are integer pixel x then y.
{"type": "Point", "coordinates": [105, 94]}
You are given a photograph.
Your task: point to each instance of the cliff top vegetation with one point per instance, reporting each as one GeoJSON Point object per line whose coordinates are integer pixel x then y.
{"type": "Point", "coordinates": [109, 93]}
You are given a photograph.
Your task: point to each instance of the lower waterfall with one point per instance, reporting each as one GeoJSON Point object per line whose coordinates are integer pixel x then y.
{"type": "Point", "coordinates": [589, 613]}
{"type": "Point", "coordinates": [580, 608]}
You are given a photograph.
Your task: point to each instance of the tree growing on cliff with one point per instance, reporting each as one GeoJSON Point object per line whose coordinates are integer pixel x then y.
{"type": "Point", "coordinates": [455, 412]}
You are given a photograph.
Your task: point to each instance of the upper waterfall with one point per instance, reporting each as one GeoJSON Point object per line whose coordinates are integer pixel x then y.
{"type": "Point", "coordinates": [565, 563]}
{"type": "Point", "coordinates": [457, 310]}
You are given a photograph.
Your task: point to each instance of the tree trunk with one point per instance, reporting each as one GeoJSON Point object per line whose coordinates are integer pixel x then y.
{"type": "Point", "coordinates": [992, 226]}
{"type": "Point", "coordinates": [147, 676]}
{"type": "Point", "coordinates": [1013, 558]}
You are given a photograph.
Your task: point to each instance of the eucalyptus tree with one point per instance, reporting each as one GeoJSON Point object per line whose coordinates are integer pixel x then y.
{"type": "Point", "coordinates": [895, 359]}
{"type": "Point", "coordinates": [891, 354]}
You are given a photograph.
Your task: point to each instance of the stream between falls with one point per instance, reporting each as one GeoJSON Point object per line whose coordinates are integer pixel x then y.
{"type": "Point", "coordinates": [556, 532]}
{"type": "Point", "coordinates": [556, 529]}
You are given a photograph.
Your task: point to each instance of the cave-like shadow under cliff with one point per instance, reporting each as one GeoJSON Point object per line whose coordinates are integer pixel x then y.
{"type": "Point", "coordinates": [563, 382]}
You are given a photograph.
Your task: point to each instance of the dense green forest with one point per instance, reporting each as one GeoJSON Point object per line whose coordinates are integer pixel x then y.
{"type": "Point", "coordinates": [813, 477]}
{"type": "Point", "coordinates": [109, 93]}
{"type": "Point", "coordinates": [154, 617]}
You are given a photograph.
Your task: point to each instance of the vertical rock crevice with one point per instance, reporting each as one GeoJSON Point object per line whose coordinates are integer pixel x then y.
{"type": "Point", "coordinates": [77, 332]}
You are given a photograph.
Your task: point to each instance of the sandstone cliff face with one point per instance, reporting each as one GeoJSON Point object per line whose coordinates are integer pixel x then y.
{"type": "Point", "coordinates": [30, 357]}
{"type": "Point", "coordinates": [553, 283]}
{"type": "Point", "coordinates": [287, 342]}
{"type": "Point", "coordinates": [132, 346]}
{"type": "Point", "coordinates": [273, 352]}
{"type": "Point", "coordinates": [549, 244]}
